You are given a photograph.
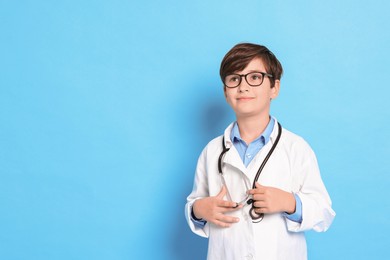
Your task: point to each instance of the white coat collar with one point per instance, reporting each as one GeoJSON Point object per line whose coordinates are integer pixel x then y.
{"type": "Point", "coordinates": [232, 157]}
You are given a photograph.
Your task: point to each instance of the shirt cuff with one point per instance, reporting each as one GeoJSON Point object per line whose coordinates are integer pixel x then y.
{"type": "Point", "coordinates": [297, 215]}
{"type": "Point", "coordinates": [198, 222]}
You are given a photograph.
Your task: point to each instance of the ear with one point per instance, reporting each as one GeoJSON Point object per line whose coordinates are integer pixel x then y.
{"type": "Point", "coordinates": [275, 89]}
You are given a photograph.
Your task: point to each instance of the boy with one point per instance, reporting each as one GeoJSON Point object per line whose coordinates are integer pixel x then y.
{"type": "Point", "coordinates": [258, 186]}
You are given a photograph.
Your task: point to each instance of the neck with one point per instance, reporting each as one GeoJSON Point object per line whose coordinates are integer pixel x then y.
{"type": "Point", "coordinates": [252, 127]}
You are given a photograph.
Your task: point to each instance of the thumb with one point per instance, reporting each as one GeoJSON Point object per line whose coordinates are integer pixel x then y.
{"type": "Point", "coordinates": [222, 192]}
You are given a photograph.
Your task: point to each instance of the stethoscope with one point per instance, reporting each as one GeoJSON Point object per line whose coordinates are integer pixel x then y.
{"type": "Point", "coordinates": [255, 216]}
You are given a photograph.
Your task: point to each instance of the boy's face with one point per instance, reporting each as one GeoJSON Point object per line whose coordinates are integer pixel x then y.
{"type": "Point", "coordinates": [248, 101]}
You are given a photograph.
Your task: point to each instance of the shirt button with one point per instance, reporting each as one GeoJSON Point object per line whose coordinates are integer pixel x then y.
{"type": "Point", "coordinates": [248, 155]}
{"type": "Point", "coordinates": [250, 256]}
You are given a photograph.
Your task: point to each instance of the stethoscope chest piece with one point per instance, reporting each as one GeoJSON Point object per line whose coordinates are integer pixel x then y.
{"type": "Point", "coordinates": [256, 217]}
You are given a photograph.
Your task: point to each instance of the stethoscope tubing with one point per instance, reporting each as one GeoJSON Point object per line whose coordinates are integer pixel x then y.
{"type": "Point", "coordinates": [255, 216]}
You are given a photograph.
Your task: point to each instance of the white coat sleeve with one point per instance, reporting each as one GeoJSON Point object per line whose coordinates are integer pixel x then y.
{"type": "Point", "coordinates": [200, 190]}
{"type": "Point", "coordinates": [317, 212]}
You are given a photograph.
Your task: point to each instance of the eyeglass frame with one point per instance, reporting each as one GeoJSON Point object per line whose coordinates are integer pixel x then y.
{"type": "Point", "coordinates": [264, 74]}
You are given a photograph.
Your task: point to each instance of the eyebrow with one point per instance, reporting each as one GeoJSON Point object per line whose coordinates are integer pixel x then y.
{"type": "Point", "coordinates": [249, 72]}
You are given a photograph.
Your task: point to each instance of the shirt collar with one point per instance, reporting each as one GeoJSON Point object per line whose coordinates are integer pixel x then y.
{"type": "Point", "coordinates": [264, 137]}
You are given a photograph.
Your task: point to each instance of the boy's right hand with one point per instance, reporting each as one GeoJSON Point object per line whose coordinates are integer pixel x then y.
{"type": "Point", "coordinates": [212, 209]}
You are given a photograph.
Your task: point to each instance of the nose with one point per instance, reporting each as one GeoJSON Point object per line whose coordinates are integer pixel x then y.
{"type": "Point", "coordinates": [243, 86]}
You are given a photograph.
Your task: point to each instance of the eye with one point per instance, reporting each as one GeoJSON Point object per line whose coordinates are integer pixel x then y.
{"type": "Point", "coordinates": [233, 78]}
{"type": "Point", "coordinates": [255, 76]}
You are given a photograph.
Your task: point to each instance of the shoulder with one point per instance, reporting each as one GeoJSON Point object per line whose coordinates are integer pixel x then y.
{"type": "Point", "coordinates": [291, 137]}
{"type": "Point", "coordinates": [294, 142]}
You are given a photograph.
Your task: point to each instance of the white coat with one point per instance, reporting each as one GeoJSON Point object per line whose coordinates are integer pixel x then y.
{"type": "Point", "coordinates": [292, 167]}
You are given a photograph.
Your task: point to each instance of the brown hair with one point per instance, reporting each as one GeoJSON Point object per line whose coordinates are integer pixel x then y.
{"type": "Point", "coordinates": [242, 54]}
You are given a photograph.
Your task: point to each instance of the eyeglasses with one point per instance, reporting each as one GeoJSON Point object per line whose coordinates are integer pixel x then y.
{"type": "Point", "coordinates": [253, 79]}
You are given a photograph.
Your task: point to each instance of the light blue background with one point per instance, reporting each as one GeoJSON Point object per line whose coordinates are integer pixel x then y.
{"type": "Point", "coordinates": [106, 105]}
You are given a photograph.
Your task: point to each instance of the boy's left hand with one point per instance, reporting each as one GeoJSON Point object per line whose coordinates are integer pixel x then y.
{"type": "Point", "coordinates": [272, 200]}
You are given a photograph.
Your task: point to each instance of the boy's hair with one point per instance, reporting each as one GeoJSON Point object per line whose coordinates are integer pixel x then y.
{"type": "Point", "coordinates": [242, 54]}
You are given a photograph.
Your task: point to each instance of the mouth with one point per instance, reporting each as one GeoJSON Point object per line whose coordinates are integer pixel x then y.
{"type": "Point", "coordinates": [244, 98]}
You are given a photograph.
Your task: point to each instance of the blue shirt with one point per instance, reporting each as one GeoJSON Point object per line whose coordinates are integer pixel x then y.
{"type": "Point", "coordinates": [248, 152]}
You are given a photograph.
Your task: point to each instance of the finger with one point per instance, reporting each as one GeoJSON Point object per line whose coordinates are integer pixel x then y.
{"type": "Point", "coordinates": [253, 191]}
{"type": "Point", "coordinates": [231, 208]}
{"type": "Point", "coordinates": [228, 204]}
{"type": "Point", "coordinates": [261, 210]}
{"type": "Point", "coordinates": [224, 221]}
{"type": "Point", "coordinates": [227, 219]}
{"type": "Point", "coordinates": [221, 224]}
{"type": "Point", "coordinates": [259, 197]}
{"type": "Point", "coordinates": [264, 209]}
{"type": "Point", "coordinates": [259, 189]}
{"type": "Point", "coordinates": [260, 204]}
